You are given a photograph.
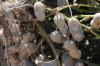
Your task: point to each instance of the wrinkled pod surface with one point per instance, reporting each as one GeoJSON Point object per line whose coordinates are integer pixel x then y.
{"type": "Point", "coordinates": [56, 37]}
{"type": "Point", "coordinates": [60, 23]}
{"type": "Point", "coordinates": [95, 22]}
{"type": "Point", "coordinates": [39, 10]}
{"type": "Point", "coordinates": [75, 29]}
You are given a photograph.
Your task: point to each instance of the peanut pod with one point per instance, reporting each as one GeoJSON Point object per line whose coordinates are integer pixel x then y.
{"type": "Point", "coordinates": [75, 29]}
{"type": "Point", "coordinates": [56, 37]}
{"type": "Point", "coordinates": [95, 22]}
{"type": "Point", "coordinates": [60, 22]}
{"type": "Point", "coordinates": [94, 25]}
{"type": "Point", "coordinates": [69, 45]}
{"type": "Point", "coordinates": [75, 53]}
{"type": "Point", "coordinates": [39, 10]}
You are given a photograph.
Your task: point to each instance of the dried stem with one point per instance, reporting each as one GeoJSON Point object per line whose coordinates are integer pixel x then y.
{"type": "Point", "coordinates": [45, 35]}
{"type": "Point", "coordinates": [90, 30]}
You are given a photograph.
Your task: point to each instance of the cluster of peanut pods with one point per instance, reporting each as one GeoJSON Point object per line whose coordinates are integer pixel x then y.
{"type": "Point", "coordinates": [65, 28]}
{"type": "Point", "coordinates": [72, 27]}
{"type": "Point", "coordinates": [67, 34]}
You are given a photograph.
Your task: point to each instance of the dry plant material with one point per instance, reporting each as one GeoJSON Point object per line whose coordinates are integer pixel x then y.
{"type": "Point", "coordinates": [28, 37]}
{"type": "Point", "coordinates": [75, 29]}
{"type": "Point", "coordinates": [12, 55]}
{"type": "Point", "coordinates": [39, 10]}
{"type": "Point", "coordinates": [13, 58]}
{"type": "Point", "coordinates": [13, 49]}
{"type": "Point", "coordinates": [56, 37]}
{"type": "Point", "coordinates": [61, 25]}
{"type": "Point", "coordinates": [2, 37]}
{"type": "Point", "coordinates": [26, 50]}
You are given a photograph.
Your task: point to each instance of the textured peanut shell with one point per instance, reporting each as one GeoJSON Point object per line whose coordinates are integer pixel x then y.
{"type": "Point", "coordinates": [95, 25]}
{"type": "Point", "coordinates": [96, 18]}
{"type": "Point", "coordinates": [69, 45]}
{"type": "Point", "coordinates": [39, 10]}
{"type": "Point", "coordinates": [75, 29]}
{"type": "Point", "coordinates": [56, 37]}
{"type": "Point", "coordinates": [60, 22]}
{"type": "Point", "coordinates": [75, 53]}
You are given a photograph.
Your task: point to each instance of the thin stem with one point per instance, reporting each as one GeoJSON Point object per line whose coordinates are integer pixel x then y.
{"type": "Point", "coordinates": [69, 8]}
{"type": "Point", "coordinates": [86, 18]}
{"type": "Point", "coordinates": [89, 29]}
{"type": "Point", "coordinates": [45, 35]}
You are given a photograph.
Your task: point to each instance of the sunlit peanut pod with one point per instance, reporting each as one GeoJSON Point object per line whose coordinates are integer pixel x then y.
{"type": "Point", "coordinates": [67, 60]}
{"type": "Point", "coordinates": [39, 10]}
{"type": "Point", "coordinates": [69, 45]}
{"type": "Point", "coordinates": [60, 22]}
{"type": "Point", "coordinates": [56, 37]}
{"type": "Point", "coordinates": [79, 64]}
{"type": "Point", "coordinates": [26, 50]}
{"type": "Point", "coordinates": [75, 53]}
{"type": "Point", "coordinates": [75, 29]}
{"type": "Point", "coordinates": [96, 18]}
{"type": "Point", "coordinates": [95, 25]}
{"type": "Point", "coordinates": [61, 2]}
